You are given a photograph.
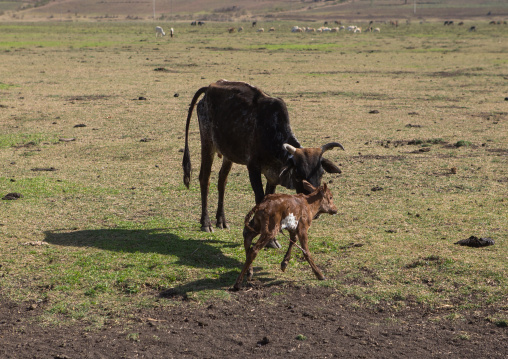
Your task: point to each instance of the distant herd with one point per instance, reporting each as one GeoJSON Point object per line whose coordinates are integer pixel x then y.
{"type": "Point", "coordinates": [325, 29]}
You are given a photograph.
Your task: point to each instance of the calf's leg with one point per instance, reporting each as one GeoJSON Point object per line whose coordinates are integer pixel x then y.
{"type": "Point", "coordinates": [287, 257]}
{"type": "Point", "coordinates": [248, 236]}
{"type": "Point", "coordinates": [304, 243]}
{"type": "Point", "coordinates": [251, 255]}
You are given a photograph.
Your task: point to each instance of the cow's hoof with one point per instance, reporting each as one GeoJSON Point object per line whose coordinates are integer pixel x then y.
{"type": "Point", "coordinates": [273, 244]}
{"type": "Point", "coordinates": [222, 225]}
{"type": "Point", "coordinates": [283, 266]}
{"type": "Point", "coordinates": [236, 287]}
{"type": "Point", "coordinates": [208, 229]}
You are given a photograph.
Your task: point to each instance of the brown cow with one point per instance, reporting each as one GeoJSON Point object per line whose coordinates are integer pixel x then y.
{"type": "Point", "coordinates": [284, 211]}
{"type": "Point", "coordinates": [246, 126]}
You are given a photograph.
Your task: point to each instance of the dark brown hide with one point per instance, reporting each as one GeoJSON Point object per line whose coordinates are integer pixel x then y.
{"type": "Point", "coordinates": [246, 126]}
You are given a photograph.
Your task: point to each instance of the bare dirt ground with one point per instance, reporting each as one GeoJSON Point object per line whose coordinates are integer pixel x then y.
{"type": "Point", "coordinates": [261, 322]}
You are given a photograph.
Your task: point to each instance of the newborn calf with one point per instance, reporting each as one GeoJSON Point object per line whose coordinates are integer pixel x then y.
{"type": "Point", "coordinates": [283, 211]}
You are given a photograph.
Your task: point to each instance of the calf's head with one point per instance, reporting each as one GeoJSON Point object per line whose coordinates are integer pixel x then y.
{"type": "Point", "coordinates": [306, 164]}
{"type": "Point", "coordinates": [326, 204]}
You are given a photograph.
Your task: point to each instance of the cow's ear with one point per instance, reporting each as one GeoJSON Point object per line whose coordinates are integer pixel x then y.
{"type": "Point", "coordinates": [329, 166]}
{"type": "Point", "coordinates": [308, 187]}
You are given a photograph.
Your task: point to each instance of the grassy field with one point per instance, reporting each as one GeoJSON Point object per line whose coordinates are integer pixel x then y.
{"type": "Point", "coordinates": [106, 225]}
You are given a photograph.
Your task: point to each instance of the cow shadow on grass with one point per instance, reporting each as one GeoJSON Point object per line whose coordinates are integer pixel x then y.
{"type": "Point", "coordinates": [197, 253]}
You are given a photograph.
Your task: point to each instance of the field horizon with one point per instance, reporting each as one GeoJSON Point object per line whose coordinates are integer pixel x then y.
{"type": "Point", "coordinates": [245, 11]}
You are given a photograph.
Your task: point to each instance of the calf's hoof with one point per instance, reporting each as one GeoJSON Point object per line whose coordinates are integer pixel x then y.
{"type": "Point", "coordinates": [273, 244]}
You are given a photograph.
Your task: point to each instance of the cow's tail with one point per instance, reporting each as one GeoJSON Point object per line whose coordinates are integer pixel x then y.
{"type": "Point", "coordinates": [249, 216]}
{"type": "Point", "coordinates": [186, 163]}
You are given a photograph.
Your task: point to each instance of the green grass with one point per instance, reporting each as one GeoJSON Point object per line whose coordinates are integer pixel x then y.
{"type": "Point", "coordinates": [123, 231]}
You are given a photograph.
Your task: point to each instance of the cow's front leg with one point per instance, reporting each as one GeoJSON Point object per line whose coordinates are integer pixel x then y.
{"type": "Point", "coordinates": [223, 180]}
{"type": "Point", "coordinates": [256, 183]}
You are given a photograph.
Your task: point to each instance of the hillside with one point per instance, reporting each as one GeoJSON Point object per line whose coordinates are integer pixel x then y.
{"type": "Point", "coordinates": [247, 10]}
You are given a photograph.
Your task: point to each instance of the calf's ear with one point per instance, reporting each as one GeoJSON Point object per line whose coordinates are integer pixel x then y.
{"type": "Point", "coordinates": [308, 187]}
{"type": "Point", "coordinates": [329, 166]}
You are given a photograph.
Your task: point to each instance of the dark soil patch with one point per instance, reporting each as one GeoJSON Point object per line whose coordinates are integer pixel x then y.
{"type": "Point", "coordinates": [266, 322]}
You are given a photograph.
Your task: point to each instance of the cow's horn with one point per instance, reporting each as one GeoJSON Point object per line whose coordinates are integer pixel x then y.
{"type": "Point", "coordinates": [289, 148]}
{"type": "Point", "coordinates": [331, 145]}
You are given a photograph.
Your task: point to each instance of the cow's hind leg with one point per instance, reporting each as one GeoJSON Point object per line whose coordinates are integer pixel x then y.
{"type": "Point", "coordinates": [207, 155]}
{"type": "Point", "coordinates": [223, 180]}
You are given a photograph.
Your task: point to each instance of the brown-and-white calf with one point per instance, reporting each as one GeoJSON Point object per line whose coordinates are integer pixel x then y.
{"type": "Point", "coordinates": [283, 211]}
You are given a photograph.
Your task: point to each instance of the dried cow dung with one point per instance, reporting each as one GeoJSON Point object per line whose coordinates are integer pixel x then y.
{"type": "Point", "coordinates": [476, 242]}
{"type": "Point", "coordinates": [12, 196]}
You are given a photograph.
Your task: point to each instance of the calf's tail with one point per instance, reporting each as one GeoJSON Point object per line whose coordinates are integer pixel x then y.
{"type": "Point", "coordinates": [186, 163]}
{"type": "Point", "coordinates": [249, 216]}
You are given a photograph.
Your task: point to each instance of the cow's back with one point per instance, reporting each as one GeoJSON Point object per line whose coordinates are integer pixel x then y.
{"type": "Point", "coordinates": [243, 121]}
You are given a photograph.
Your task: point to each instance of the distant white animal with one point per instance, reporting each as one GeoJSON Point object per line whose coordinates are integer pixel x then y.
{"type": "Point", "coordinates": [171, 32]}
{"type": "Point", "coordinates": [260, 29]}
{"type": "Point", "coordinates": [377, 29]}
{"type": "Point", "coordinates": [158, 30]}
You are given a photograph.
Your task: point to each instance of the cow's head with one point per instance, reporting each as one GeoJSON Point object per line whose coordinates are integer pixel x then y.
{"type": "Point", "coordinates": [306, 164]}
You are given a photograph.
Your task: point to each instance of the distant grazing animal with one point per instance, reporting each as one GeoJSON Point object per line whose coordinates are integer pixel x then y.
{"type": "Point", "coordinates": [240, 29]}
{"type": "Point", "coordinates": [194, 23]}
{"type": "Point", "coordinates": [283, 211]}
{"type": "Point", "coordinates": [159, 31]}
{"type": "Point", "coordinates": [272, 29]}
{"type": "Point", "coordinates": [472, 28]}
{"type": "Point", "coordinates": [377, 29]}
{"type": "Point", "coordinates": [171, 32]}
{"type": "Point", "coordinates": [201, 23]}
{"type": "Point", "coordinates": [231, 30]}
{"type": "Point", "coordinates": [254, 23]}
{"type": "Point", "coordinates": [260, 29]}
{"type": "Point", "coordinates": [246, 126]}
